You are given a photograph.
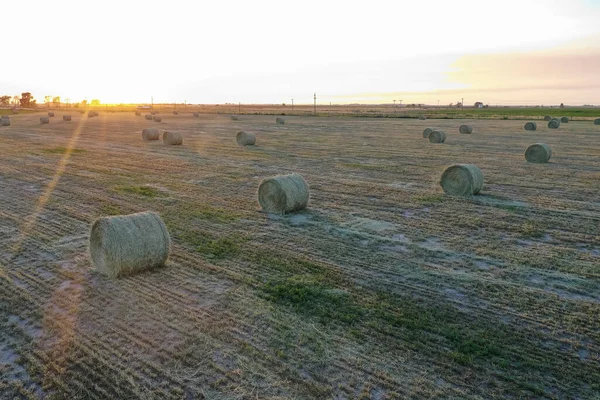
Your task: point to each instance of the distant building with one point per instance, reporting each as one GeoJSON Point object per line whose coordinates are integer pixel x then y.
{"type": "Point", "coordinates": [479, 105]}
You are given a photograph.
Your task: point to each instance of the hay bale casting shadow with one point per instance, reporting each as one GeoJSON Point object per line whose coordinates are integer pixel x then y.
{"type": "Point", "coordinates": [530, 126]}
{"type": "Point", "coordinates": [44, 120]}
{"type": "Point", "coordinates": [465, 129]}
{"type": "Point", "coordinates": [554, 124]}
{"type": "Point", "coordinates": [280, 121]}
{"type": "Point", "coordinates": [124, 244]}
{"type": "Point", "coordinates": [172, 138]}
{"type": "Point", "coordinates": [547, 118]}
{"type": "Point", "coordinates": [245, 139]}
{"type": "Point", "coordinates": [284, 193]}
{"type": "Point", "coordinates": [462, 180]}
{"type": "Point", "coordinates": [66, 117]}
{"type": "Point", "coordinates": [150, 134]}
{"type": "Point", "coordinates": [564, 120]}
{"type": "Point", "coordinates": [437, 137]}
{"type": "Point", "coordinates": [538, 153]}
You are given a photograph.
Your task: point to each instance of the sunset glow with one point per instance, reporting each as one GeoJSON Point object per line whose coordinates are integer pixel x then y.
{"type": "Point", "coordinates": [520, 53]}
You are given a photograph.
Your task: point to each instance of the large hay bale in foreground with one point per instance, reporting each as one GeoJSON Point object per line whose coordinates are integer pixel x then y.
{"type": "Point", "coordinates": [465, 129]}
{"type": "Point", "coordinates": [44, 120]}
{"type": "Point", "coordinates": [172, 138]}
{"type": "Point", "coordinates": [245, 139]}
{"type": "Point", "coordinates": [564, 120]}
{"type": "Point", "coordinates": [157, 118]}
{"type": "Point", "coordinates": [283, 193]}
{"type": "Point", "coordinates": [148, 117]}
{"type": "Point", "coordinates": [597, 121]}
{"type": "Point", "coordinates": [66, 117]}
{"type": "Point", "coordinates": [554, 124]}
{"type": "Point", "coordinates": [547, 118]}
{"type": "Point", "coordinates": [530, 126]}
{"type": "Point", "coordinates": [150, 134]}
{"type": "Point", "coordinates": [538, 153]}
{"type": "Point", "coordinates": [280, 121]}
{"type": "Point", "coordinates": [125, 244]}
{"type": "Point", "coordinates": [462, 180]}
{"type": "Point", "coordinates": [427, 132]}
{"type": "Point", "coordinates": [51, 114]}
{"type": "Point", "coordinates": [437, 137]}
{"type": "Point", "coordinates": [4, 122]}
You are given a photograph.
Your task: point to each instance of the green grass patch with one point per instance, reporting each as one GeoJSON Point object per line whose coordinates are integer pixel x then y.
{"type": "Point", "coordinates": [215, 214]}
{"type": "Point", "coordinates": [145, 191]}
{"type": "Point", "coordinates": [214, 247]}
{"type": "Point", "coordinates": [110, 209]}
{"type": "Point", "coordinates": [63, 150]}
{"type": "Point", "coordinates": [430, 198]}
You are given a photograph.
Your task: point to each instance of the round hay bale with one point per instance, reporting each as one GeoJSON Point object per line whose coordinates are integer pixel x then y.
{"type": "Point", "coordinates": [148, 117]}
{"type": "Point", "coordinates": [538, 153]}
{"type": "Point", "coordinates": [283, 193]}
{"type": "Point", "coordinates": [172, 138]}
{"type": "Point", "coordinates": [150, 134]}
{"type": "Point", "coordinates": [530, 126]}
{"type": "Point", "coordinates": [137, 113]}
{"type": "Point", "coordinates": [66, 117]}
{"type": "Point", "coordinates": [564, 120]}
{"type": "Point", "coordinates": [597, 121]}
{"type": "Point", "coordinates": [427, 131]}
{"type": "Point", "coordinates": [51, 114]}
{"type": "Point", "coordinates": [554, 123]}
{"type": "Point", "coordinates": [125, 244]}
{"type": "Point", "coordinates": [4, 122]}
{"type": "Point", "coordinates": [465, 129]}
{"type": "Point", "coordinates": [437, 136]}
{"type": "Point", "coordinates": [5, 117]}
{"type": "Point", "coordinates": [462, 180]}
{"type": "Point", "coordinates": [91, 114]}
{"type": "Point", "coordinates": [175, 113]}
{"type": "Point", "coordinates": [245, 139]}
{"type": "Point", "coordinates": [280, 120]}
{"type": "Point", "coordinates": [196, 114]}
{"type": "Point", "coordinates": [422, 117]}
{"type": "Point", "coordinates": [44, 120]}
{"type": "Point", "coordinates": [547, 118]}
{"type": "Point", "coordinates": [234, 118]}
{"type": "Point", "coordinates": [157, 119]}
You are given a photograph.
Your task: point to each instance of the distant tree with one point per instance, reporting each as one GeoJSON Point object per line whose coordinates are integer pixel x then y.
{"type": "Point", "coordinates": [562, 105]}
{"type": "Point", "coordinates": [4, 100]}
{"type": "Point", "coordinates": [16, 100]}
{"type": "Point", "coordinates": [451, 104]}
{"type": "Point", "coordinates": [84, 103]}
{"type": "Point", "coordinates": [56, 99]}
{"type": "Point", "coordinates": [458, 105]}
{"type": "Point", "coordinates": [95, 102]}
{"type": "Point", "coordinates": [27, 100]}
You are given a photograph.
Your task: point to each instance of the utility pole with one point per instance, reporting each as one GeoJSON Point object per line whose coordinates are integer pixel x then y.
{"type": "Point", "coordinates": [239, 107]}
{"type": "Point", "coordinates": [152, 102]}
{"type": "Point", "coordinates": [292, 105]}
{"type": "Point", "coordinates": [315, 106]}
{"type": "Point", "coordinates": [394, 106]}
{"type": "Point", "coordinates": [462, 103]}
{"type": "Point", "coordinates": [438, 104]}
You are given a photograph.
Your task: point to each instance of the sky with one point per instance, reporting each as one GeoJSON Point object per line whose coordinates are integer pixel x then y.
{"type": "Point", "coordinates": [499, 52]}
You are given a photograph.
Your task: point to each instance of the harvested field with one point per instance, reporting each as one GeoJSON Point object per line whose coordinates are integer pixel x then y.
{"type": "Point", "coordinates": [384, 287]}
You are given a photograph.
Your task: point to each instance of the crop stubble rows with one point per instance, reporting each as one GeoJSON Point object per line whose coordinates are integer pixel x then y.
{"type": "Point", "coordinates": [383, 288]}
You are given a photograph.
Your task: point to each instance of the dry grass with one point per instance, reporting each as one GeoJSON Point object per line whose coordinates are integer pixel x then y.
{"type": "Point", "coordinates": [382, 288]}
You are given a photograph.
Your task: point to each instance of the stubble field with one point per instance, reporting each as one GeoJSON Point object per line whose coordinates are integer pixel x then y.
{"type": "Point", "coordinates": [383, 288]}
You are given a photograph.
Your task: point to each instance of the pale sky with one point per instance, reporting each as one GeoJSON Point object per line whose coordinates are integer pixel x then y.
{"type": "Point", "coordinates": [263, 51]}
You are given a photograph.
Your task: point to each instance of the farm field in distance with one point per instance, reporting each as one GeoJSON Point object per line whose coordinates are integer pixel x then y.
{"type": "Point", "coordinates": [383, 288]}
